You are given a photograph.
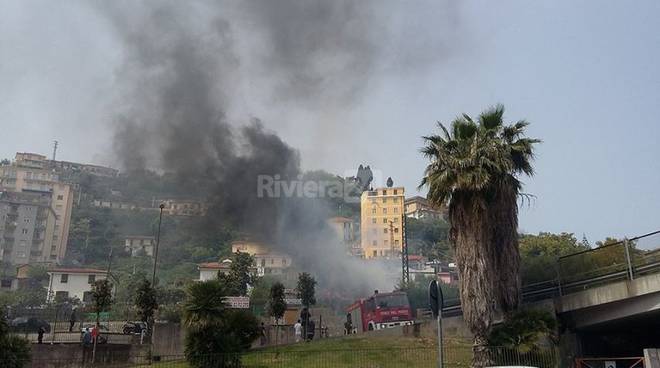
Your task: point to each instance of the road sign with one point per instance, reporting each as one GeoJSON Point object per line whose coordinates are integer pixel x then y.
{"type": "Point", "coordinates": [435, 303]}
{"type": "Point", "coordinates": [237, 302]}
{"type": "Point", "coordinates": [435, 298]}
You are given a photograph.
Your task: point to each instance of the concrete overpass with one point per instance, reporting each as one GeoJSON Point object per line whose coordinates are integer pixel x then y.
{"type": "Point", "coordinates": [613, 311]}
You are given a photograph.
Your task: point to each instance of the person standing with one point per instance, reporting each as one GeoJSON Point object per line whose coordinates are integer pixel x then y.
{"type": "Point", "coordinates": [72, 319]}
{"type": "Point", "coordinates": [87, 337]}
{"type": "Point", "coordinates": [40, 335]}
{"type": "Point", "coordinates": [263, 337]}
{"type": "Point", "coordinates": [311, 326]}
{"type": "Point", "coordinates": [297, 329]}
{"type": "Point", "coordinates": [95, 333]}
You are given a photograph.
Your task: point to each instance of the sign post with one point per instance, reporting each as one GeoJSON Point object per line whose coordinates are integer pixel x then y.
{"type": "Point", "coordinates": [435, 304]}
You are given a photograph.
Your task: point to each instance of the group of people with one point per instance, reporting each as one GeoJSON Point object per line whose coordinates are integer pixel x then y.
{"type": "Point", "coordinates": [303, 329]}
{"type": "Point", "coordinates": [88, 335]}
{"type": "Point", "coordinates": [298, 330]}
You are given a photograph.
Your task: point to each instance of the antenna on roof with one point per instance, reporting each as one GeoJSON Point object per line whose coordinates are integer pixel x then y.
{"type": "Point", "coordinates": [54, 149]}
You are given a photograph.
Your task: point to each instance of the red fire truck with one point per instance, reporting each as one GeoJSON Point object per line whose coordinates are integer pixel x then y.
{"type": "Point", "coordinates": [381, 310]}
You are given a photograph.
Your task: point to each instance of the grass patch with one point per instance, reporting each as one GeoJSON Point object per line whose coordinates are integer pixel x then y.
{"type": "Point", "coordinates": [373, 352]}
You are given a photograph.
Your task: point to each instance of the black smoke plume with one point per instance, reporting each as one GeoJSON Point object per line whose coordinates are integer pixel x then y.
{"type": "Point", "coordinates": [187, 63]}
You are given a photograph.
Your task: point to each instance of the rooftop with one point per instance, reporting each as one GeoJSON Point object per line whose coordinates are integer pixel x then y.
{"type": "Point", "coordinates": [215, 265]}
{"type": "Point", "coordinates": [77, 270]}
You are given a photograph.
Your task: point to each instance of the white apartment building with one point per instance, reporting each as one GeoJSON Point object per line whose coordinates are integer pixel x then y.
{"type": "Point", "coordinates": [73, 282]}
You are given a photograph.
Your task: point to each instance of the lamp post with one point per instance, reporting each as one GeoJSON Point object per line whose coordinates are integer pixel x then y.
{"type": "Point", "coordinates": [160, 220]}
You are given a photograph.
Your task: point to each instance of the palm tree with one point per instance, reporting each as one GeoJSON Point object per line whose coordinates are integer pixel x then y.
{"type": "Point", "coordinates": [474, 168]}
{"type": "Point", "coordinates": [216, 334]}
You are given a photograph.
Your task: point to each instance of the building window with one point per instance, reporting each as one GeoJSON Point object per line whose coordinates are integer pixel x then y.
{"type": "Point", "coordinates": [384, 211]}
{"type": "Point", "coordinates": [25, 231]}
{"type": "Point", "coordinates": [87, 297]}
{"type": "Point", "coordinates": [373, 211]}
{"type": "Point", "coordinates": [385, 200]}
{"type": "Point", "coordinates": [384, 220]}
{"type": "Point", "coordinates": [283, 261]}
{"type": "Point", "coordinates": [396, 210]}
{"type": "Point", "coordinates": [373, 220]}
{"type": "Point", "coordinates": [61, 294]}
{"type": "Point", "coordinates": [91, 279]}
{"type": "Point", "coordinates": [384, 230]}
{"type": "Point", "coordinates": [396, 242]}
{"type": "Point", "coordinates": [375, 253]}
{"type": "Point", "coordinates": [396, 230]}
{"type": "Point", "coordinates": [395, 192]}
{"type": "Point", "coordinates": [64, 278]}
{"type": "Point", "coordinates": [60, 197]}
{"type": "Point", "coordinates": [374, 243]}
{"type": "Point", "coordinates": [272, 261]}
{"type": "Point", "coordinates": [263, 262]}
{"type": "Point", "coordinates": [26, 220]}
{"type": "Point", "coordinates": [384, 191]}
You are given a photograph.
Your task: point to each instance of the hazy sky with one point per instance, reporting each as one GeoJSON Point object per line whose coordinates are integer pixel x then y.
{"type": "Point", "coordinates": [585, 73]}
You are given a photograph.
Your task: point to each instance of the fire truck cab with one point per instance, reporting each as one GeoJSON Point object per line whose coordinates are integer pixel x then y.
{"type": "Point", "coordinates": [379, 311]}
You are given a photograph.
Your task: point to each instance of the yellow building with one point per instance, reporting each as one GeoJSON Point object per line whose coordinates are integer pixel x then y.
{"type": "Point", "coordinates": [381, 222]}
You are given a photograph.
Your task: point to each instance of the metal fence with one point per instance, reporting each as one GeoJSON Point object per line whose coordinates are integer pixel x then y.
{"type": "Point", "coordinates": [623, 260]}
{"type": "Point", "coordinates": [454, 356]}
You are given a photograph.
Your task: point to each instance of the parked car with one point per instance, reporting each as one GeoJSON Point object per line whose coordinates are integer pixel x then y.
{"type": "Point", "coordinates": [28, 325]}
{"type": "Point", "coordinates": [134, 327]}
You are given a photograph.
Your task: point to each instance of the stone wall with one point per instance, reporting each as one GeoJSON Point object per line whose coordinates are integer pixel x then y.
{"type": "Point", "coordinates": [75, 355]}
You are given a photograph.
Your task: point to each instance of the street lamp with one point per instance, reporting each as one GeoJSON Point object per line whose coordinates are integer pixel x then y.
{"type": "Point", "coordinates": [160, 220]}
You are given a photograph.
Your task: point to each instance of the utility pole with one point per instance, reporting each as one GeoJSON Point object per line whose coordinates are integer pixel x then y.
{"type": "Point", "coordinates": [160, 220]}
{"type": "Point", "coordinates": [109, 261]}
{"type": "Point", "coordinates": [54, 149]}
{"type": "Point", "coordinates": [405, 270]}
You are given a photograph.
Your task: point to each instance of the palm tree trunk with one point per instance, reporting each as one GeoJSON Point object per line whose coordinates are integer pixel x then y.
{"type": "Point", "coordinates": [504, 217]}
{"type": "Point", "coordinates": [480, 353]}
{"type": "Point", "coordinates": [471, 236]}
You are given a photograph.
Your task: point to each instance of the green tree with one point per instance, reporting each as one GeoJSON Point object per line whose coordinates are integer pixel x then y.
{"type": "Point", "coordinates": [14, 350]}
{"type": "Point", "coordinates": [430, 238]}
{"type": "Point", "coordinates": [306, 285]}
{"type": "Point", "coordinates": [525, 330]}
{"type": "Point", "coordinates": [418, 293]}
{"type": "Point", "coordinates": [102, 300]}
{"type": "Point", "coordinates": [540, 253]}
{"type": "Point", "coordinates": [38, 273]}
{"type": "Point", "coordinates": [215, 333]}
{"type": "Point", "coordinates": [474, 169]}
{"type": "Point", "coordinates": [146, 303]}
{"type": "Point", "coordinates": [240, 274]}
{"type": "Point", "coordinates": [277, 305]}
